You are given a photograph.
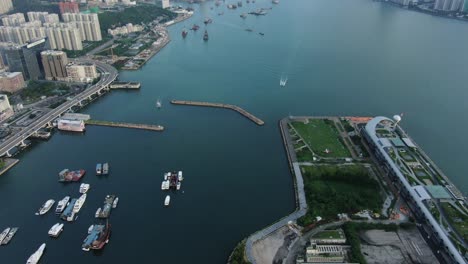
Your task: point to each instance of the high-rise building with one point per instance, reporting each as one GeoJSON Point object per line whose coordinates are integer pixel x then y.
{"type": "Point", "coordinates": [26, 58]}
{"type": "Point", "coordinates": [44, 17]}
{"type": "Point", "coordinates": [22, 34]}
{"type": "Point", "coordinates": [88, 25]}
{"type": "Point", "coordinates": [54, 63]}
{"type": "Point", "coordinates": [5, 6]}
{"type": "Point", "coordinates": [11, 81]}
{"type": "Point", "coordinates": [69, 7]}
{"type": "Point", "coordinates": [63, 36]}
{"type": "Point", "coordinates": [448, 5]}
{"type": "Point", "coordinates": [81, 72]}
{"type": "Point", "coordinates": [163, 3]}
{"type": "Point", "coordinates": [13, 20]}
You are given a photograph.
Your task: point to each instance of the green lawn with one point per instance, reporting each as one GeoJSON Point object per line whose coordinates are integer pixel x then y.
{"type": "Point", "coordinates": [458, 220]}
{"type": "Point", "coordinates": [331, 190]}
{"type": "Point", "coordinates": [321, 135]}
{"type": "Point", "coordinates": [330, 234]}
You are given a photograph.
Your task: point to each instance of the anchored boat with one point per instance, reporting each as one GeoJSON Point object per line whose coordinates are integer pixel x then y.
{"type": "Point", "coordinates": [45, 207]}
{"type": "Point", "coordinates": [56, 230]}
{"type": "Point", "coordinates": [71, 176]}
{"type": "Point", "coordinates": [9, 236]}
{"type": "Point", "coordinates": [36, 256]}
{"type": "Point", "coordinates": [97, 237]}
{"type": "Point", "coordinates": [167, 200]}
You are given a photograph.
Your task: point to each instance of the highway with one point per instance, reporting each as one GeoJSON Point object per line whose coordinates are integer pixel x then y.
{"type": "Point", "coordinates": [108, 75]}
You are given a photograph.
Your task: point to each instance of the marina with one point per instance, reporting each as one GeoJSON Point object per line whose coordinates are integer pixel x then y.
{"type": "Point", "coordinates": [241, 111]}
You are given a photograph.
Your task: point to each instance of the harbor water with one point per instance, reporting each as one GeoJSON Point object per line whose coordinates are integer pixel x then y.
{"type": "Point", "coordinates": [342, 58]}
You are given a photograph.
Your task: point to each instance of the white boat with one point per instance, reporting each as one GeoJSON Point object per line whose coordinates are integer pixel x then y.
{"type": "Point", "coordinates": [283, 81]}
{"type": "Point", "coordinates": [165, 185]}
{"type": "Point", "coordinates": [162, 185]}
{"type": "Point", "coordinates": [167, 200]}
{"type": "Point", "coordinates": [55, 230]}
{"type": "Point", "coordinates": [158, 103]}
{"type": "Point", "coordinates": [79, 203]}
{"type": "Point", "coordinates": [36, 256]}
{"type": "Point", "coordinates": [84, 187]}
{"type": "Point", "coordinates": [4, 234]}
{"type": "Point", "coordinates": [45, 207]}
{"type": "Point", "coordinates": [91, 227]}
{"type": "Point", "coordinates": [62, 204]}
{"type": "Point", "coordinates": [72, 217]}
{"type": "Point", "coordinates": [116, 201]}
{"type": "Point", "coordinates": [98, 211]}
{"type": "Point", "coordinates": [178, 185]}
{"type": "Point", "coordinates": [166, 175]}
{"type": "Point", "coordinates": [181, 178]}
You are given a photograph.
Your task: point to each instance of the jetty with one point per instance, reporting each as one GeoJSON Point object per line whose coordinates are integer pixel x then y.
{"type": "Point", "coordinates": [124, 125]}
{"type": "Point", "coordinates": [125, 85]}
{"type": "Point", "coordinates": [241, 111]}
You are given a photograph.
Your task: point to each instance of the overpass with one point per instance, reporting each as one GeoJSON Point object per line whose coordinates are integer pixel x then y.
{"type": "Point", "coordinates": [108, 75]}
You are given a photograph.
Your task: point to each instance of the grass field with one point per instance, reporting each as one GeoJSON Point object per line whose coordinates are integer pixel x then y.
{"type": "Point", "coordinates": [320, 135]}
{"type": "Point", "coordinates": [329, 234]}
{"type": "Point", "coordinates": [331, 190]}
{"type": "Point", "coordinates": [458, 220]}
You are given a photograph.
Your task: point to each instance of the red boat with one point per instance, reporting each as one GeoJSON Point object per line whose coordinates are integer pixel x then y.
{"type": "Point", "coordinates": [71, 176]}
{"type": "Point", "coordinates": [103, 238]}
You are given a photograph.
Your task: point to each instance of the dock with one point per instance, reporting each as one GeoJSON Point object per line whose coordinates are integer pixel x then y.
{"type": "Point", "coordinates": [241, 111]}
{"type": "Point", "coordinates": [124, 125]}
{"type": "Point", "coordinates": [125, 85]}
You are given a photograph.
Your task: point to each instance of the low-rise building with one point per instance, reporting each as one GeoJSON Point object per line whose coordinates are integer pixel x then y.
{"type": "Point", "coordinates": [5, 108]}
{"type": "Point", "coordinates": [11, 81]}
{"type": "Point", "coordinates": [125, 30]}
{"type": "Point", "coordinates": [81, 72]}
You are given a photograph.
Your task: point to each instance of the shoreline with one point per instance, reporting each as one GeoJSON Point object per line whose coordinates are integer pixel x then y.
{"type": "Point", "coordinates": [9, 163]}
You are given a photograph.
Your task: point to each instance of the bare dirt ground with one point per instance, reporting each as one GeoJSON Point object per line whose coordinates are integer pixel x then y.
{"type": "Point", "coordinates": [265, 250]}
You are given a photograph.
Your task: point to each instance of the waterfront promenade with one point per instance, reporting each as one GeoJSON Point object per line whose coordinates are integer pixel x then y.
{"type": "Point", "coordinates": [241, 111]}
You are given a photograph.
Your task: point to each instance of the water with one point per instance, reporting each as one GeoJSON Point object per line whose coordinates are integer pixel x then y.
{"type": "Point", "coordinates": [341, 58]}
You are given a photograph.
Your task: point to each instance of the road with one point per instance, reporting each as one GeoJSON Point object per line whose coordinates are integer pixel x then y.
{"type": "Point", "coordinates": [108, 75]}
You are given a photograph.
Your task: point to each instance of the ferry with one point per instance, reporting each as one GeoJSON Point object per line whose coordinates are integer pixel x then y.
{"type": "Point", "coordinates": [10, 235]}
{"type": "Point", "coordinates": [105, 168]}
{"type": "Point", "coordinates": [98, 169]}
{"type": "Point", "coordinates": [79, 203]}
{"type": "Point", "coordinates": [56, 230]}
{"type": "Point", "coordinates": [36, 256]}
{"type": "Point", "coordinates": [45, 207]}
{"type": "Point", "coordinates": [97, 237]}
{"type": "Point", "coordinates": [84, 187]}
{"type": "Point", "coordinates": [205, 36]}
{"type": "Point", "coordinates": [106, 209]}
{"type": "Point", "coordinates": [4, 234]}
{"type": "Point", "coordinates": [68, 214]}
{"type": "Point", "coordinates": [71, 176]}
{"type": "Point", "coordinates": [116, 201]}
{"type": "Point", "coordinates": [167, 200]}
{"type": "Point", "coordinates": [62, 204]}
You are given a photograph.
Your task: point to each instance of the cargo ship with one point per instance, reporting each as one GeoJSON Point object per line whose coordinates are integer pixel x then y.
{"type": "Point", "coordinates": [62, 204]}
{"type": "Point", "coordinates": [205, 36]}
{"type": "Point", "coordinates": [71, 125]}
{"type": "Point", "coordinates": [71, 176]}
{"type": "Point", "coordinates": [9, 236]}
{"type": "Point", "coordinates": [68, 214]}
{"type": "Point", "coordinates": [106, 209]}
{"type": "Point", "coordinates": [98, 169]}
{"type": "Point", "coordinates": [36, 256]}
{"type": "Point", "coordinates": [105, 168]}
{"type": "Point", "coordinates": [184, 33]}
{"type": "Point", "coordinates": [97, 237]}
{"type": "Point", "coordinates": [45, 207]}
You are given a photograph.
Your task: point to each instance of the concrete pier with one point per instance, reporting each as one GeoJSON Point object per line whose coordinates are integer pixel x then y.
{"type": "Point", "coordinates": [124, 125]}
{"type": "Point", "coordinates": [241, 111]}
{"type": "Point", "coordinates": [125, 85]}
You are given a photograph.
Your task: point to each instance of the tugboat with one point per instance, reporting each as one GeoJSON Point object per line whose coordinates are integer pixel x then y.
{"type": "Point", "coordinates": [205, 36]}
{"type": "Point", "coordinates": [195, 27]}
{"type": "Point", "coordinates": [184, 33]}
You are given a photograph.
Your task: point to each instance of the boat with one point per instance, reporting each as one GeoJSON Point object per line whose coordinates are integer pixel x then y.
{"type": "Point", "coordinates": [195, 27]}
{"type": "Point", "coordinates": [97, 237]}
{"type": "Point", "coordinates": [184, 33]}
{"type": "Point", "coordinates": [208, 21]}
{"type": "Point", "coordinates": [106, 209]}
{"type": "Point", "coordinates": [9, 236]}
{"type": "Point", "coordinates": [249, 30]}
{"type": "Point", "coordinates": [36, 256]}
{"type": "Point", "coordinates": [91, 227]}
{"type": "Point", "coordinates": [239, 4]}
{"type": "Point", "coordinates": [116, 201]}
{"type": "Point", "coordinates": [84, 187]}
{"type": "Point", "coordinates": [45, 207]}
{"type": "Point", "coordinates": [231, 6]}
{"type": "Point", "coordinates": [98, 169]}
{"type": "Point", "coordinates": [79, 203]}
{"type": "Point", "coordinates": [158, 104]}
{"type": "Point", "coordinates": [220, 13]}
{"type": "Point", "coordinates": [243, 15]}
{"type": "Point", "coordinates": [4, 234]}
{"type": "Point", "coordinates": [261, 33]}
{"type": "Point", "coordinates": [179, 175]}
{"type": "Point", "coordinates": [205, 36]}
{"type": "Point", "coordinates": [98, 211]}
{"type": "Point", "coordinates": [68, 214]}
{"type": "Point", "coordinates": [105, 168]}
{"type": "Point", "coordinates": [275, 2]}
{"type": "Point", "coordinates": [71, 176]}
{"type": "Point", "coordinates": [178, 185]}
{"type": "Point", "coordinates": [283, 81]}
{"type": "Point", "coordinates": [167, 200]}
{"type": "Point", "coordinates": [62, 204]}
{"type": "Point", "coordinates": [56, 230]}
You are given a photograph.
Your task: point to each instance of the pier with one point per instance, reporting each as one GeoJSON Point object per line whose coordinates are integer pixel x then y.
{"type": "Point", "coordinates": [124, 125]}
{"type": "Point", "coordinates": [125, 85]}
{"type": "Point", "coordinates": [241, 111]}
